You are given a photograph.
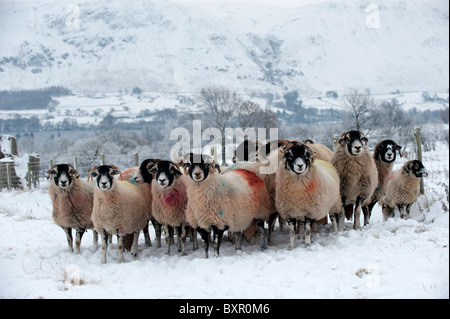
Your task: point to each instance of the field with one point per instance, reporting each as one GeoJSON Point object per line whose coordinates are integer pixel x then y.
{"type": "Point", "coordinates": [393, 259]}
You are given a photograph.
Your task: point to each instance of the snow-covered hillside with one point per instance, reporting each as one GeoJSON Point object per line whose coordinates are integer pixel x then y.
{"type": "Point", "coordinates": [393, 259]}
{"type": "Point", "coordinates": [248, 46]}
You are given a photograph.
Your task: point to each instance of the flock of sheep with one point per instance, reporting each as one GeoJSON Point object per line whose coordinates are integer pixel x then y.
{"type": "Point", "coordinates": [308, 184]}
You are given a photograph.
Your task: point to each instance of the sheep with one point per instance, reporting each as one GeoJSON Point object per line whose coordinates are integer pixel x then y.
{"type": "Point", "coordinates": [322, 152]}
{"type": "Point", "coordinates": [119, 208]}
{"type": "Point", "coordinates": [72, 201]}
{"type": "Point", "coordinates": [384, 155]}
{"type": "Point", "coordinates": [229, 201]}
{"type": "Point", "coordinates": [358, 175]}
{"type": "Point", "coordinates": [142, 178]}
{"type": "Point", "coordinates": [307, 189]}
{"type": "Point", "coordinates": [169, 202]}
{"type": "Point", "coordinates": [267, 157]}
{"type": "Point", "coordinates": [403, 189]}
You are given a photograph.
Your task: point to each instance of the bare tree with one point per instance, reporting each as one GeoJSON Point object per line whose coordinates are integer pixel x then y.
{"type": "Point", "coordinates": [361, 109]}
{"type": "Point", "coordinates": [221, 104]}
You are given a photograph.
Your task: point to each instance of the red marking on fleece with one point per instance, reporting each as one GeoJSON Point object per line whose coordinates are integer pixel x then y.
{"type": "Point", "coordinates": [174, 198]}
{"type": "Point", "coordinates": [252, 179]}
{"type": "Point", "coordinates": [128, 173]}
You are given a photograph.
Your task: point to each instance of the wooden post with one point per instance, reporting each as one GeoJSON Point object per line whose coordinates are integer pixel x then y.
{"type": "Point", "coordinates": [8, 175]}
{"type": "Point", "coordinates": [75, 162]}
{"type": "Point", "coordinates": [335, 141]}
{"type": "Point", "coordinates": [29, 174]}
{"type": "Point", "coordinates": [418, 137]}
{"type": "Point", "coordinates": [102, 158]}
{"type": "Point", "coordinates": [136, 159]}
{"type": "Point", "coordinates": [50, 163]}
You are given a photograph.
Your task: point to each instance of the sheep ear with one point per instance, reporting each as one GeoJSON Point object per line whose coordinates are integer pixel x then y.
{"type": "Point", "coordinates": [365, 140]}
{"type": "Point", "coordinates": [74, 172]}
{"type": "Point", "coordinates": [398, 149]}
{"type": "Point", "coordinates": [175, 169]}
{"type": "Point", "coordinates": [217, 167]}
{"type": "Point", "coordinates": [51, 172]}
{"type": "Point", "coordinates": [342, 139]}
{"type": "Point", "coordinates": [153, 170]}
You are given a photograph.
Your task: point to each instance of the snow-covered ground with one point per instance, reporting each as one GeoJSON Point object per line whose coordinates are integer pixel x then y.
{"type": "Point", "coordinates": [393, 259]}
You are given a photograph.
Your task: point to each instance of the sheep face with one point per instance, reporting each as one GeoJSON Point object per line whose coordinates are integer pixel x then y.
{"type": "Point", "coordinates": [63, 175]}
{"type": "Point", "coordinates": [143, 174]}
{"type": "Point", "coordinates": [415, 168]}
{"type": "Point", "coordinates": [199, 166]}
{"type": "Point", "coordinates": [104, 176]}
{"type": "Point", "coordinates": [386, 151]}
{"type": "Point", "coordinates": [165, 173]}
{"type": "Point", "coordinates": [298, 158]}
{"type": "Point", "coordinates": [354, 142]}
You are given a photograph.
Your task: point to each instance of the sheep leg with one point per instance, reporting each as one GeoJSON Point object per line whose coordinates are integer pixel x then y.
{"type": "Point", "coordinates": [218, 234]}
{"type": "Point", "coordinates": [367, 211]}
{"type": "Point", "coordinates": [167, 229]}
{"type": "Point", "coordinates": [95, 238]}
{"type": "Point", "coordinates": [183, 234]}
{"type": "Point", "coordinates": [308, 224]}
{"type": "Point", "coordinates": [333, 217]}
{"type": "Point", "coordinates": [134, 247]}
{"type": "Point", "coordinates": [79, 235]}
{"type": "Point", "coordinates": [157, 227]}
{"type": "Point", "coordinates": [408, 210]}
{"type": "Point", "coordinates": [205, 239]}
{"type": "Point", "coordinates": [120, 248]}
{"type": "Point", "coordinates": [171, 234]}
{"type": "Point", "coordinates": [301, 228]}
{"type": "Point", "coordinates": [341, 216]}
{"type": "Point", "coordinates": [68, 232]}
{"type": "Point", "coordinates": [148, 241]}
{"type": "Point", "coordinates": [357, 213]}
{"type": "Point", "coordinates": [237, 239]}
{"type": "Point", "coordinates": [272, 221]}
{"type": "Point", "coordinates": [291, 225]}
{"type": "Point", "coordinates": [401, 209]}
{"type": "Point", "coordinates": [194, 238]}
{"type": "Point", "coordinates": [387, 212]}
{"type": "Point", "coordinates": [105, 238]}
{"type": "Point", "coordinates": [262, 231]}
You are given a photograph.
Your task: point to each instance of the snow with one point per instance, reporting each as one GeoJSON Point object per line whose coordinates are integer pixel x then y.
{"type": "Point", "coordinates": [393, 259]}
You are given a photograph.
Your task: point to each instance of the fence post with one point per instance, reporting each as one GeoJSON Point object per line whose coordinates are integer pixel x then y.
{"type": "Point", "coordinates": [8, 175]}
{"type": "Point", "coordinates": [418, 137]}
{"type": "Point", "coordinates": [335, 141]}
{"type": "Point", "coordinates": [29, 174]}
{"type": "Point", "coordinates": [50, 163]}
{"type": "Point", "coordinates": [136, 159]}
{"type": "Point", "coordinates": [102, 158]}
{"type": "Point", "coordinates": [75, 162]}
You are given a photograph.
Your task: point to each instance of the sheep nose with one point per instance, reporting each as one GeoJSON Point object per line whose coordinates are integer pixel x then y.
{"type": "Point", "coordinates": [358, 148]}
{"type": "Point", "coordinates": [104, 184]}
{"type": "Point", "coordinates": [63, 183]}
{"type": "Point", "coordinates": [162, 180]}
{"type": "Point", "coordinates": [197, 174]}
{"type": "Point", "coordinates": [300, 166]}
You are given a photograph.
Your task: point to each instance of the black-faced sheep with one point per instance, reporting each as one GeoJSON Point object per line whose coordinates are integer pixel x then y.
{"type": "Point", "coordinates": [403, 189]}
{"type": "Point", "coordinates": [72, 201]}
{"type": "Point", "coordinates": [229, 201]}
{"type": "Point", "coordinates": [306, 189]}
{"type": "Point", "coordinates": [142, 178]}
{"type": "Point", "coordinates": [357, 173]}
{"type": "Point", "coordinates": [169, 202]}
{"type": "Point", "coordinates": [384, 155]}
{"type": "Point", "coordinates": [119, 209]}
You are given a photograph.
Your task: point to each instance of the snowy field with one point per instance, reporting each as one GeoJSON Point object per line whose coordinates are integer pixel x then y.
{"type": "Point", "coordinates": [393, 259]}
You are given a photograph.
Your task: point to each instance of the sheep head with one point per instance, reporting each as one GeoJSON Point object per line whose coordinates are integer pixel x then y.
{"type": "Point", "coordinates": [414, 168]}
{"type": "Point", "coordinates": [297, 157]}
{"type": "Point", "coordinates": [354, 142]}
{"type": "Point", "coordinates": [63, 175]}
{"type": "Point", "coordinates": [199, 166]}
{"type": "Point", "coordinates": [165, 172]}
{"type": "Point", "coordinates": [386, 151]}
{"type": "Point", "coordinates": [104, 176]}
